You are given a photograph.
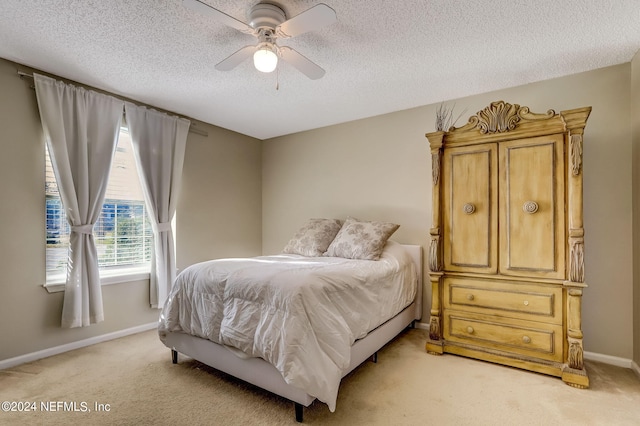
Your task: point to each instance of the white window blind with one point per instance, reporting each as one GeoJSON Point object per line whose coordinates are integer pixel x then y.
{"type": "Point", "coordinates": [123, 233]}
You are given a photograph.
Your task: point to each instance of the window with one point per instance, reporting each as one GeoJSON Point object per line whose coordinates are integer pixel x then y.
{"type": "Point", "coordinates": [122, 233]}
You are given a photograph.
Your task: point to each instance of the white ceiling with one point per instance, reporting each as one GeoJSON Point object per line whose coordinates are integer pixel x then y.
{"type": "Point", "coordinates": [380, 56]}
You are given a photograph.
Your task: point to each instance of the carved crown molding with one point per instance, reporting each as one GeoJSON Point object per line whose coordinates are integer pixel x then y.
{"type": "Point", "coordinates": [502, 116]}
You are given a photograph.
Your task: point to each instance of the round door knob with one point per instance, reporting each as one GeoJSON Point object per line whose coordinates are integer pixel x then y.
{"type": "Point", "coordinates": [526, 339]}
{"type": "Point", "coordinates": [469, 208]}
{"type": "Point", "coordinates": [530, 207]}
{"type": "Point", "coordinates": [470, 330]}
{"type": "Point", "coordinates": [470, 297]}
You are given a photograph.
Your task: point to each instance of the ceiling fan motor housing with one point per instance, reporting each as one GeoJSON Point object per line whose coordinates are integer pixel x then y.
{"type": "Point", "coordinates": [266, 15]}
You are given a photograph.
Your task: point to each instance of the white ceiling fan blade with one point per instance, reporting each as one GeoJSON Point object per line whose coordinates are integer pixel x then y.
{"type": "Point", "coordinates": [302, 64]}
{"type": "Point", "coordinates": [235, 59]}
{"type": "Point", "coordinates": [205, 9]}
{"type": "Point", "coordinates": [312, 19]}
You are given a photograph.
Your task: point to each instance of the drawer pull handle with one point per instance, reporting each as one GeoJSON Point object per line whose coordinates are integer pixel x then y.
{"type": "Point", "coordinates": [470, 297]}
{"type": "Point", "coordinates": [530, 207]}
{"type": "Point", "coordinates": [470, 330]}
{"type": "Point", "coordinates": [469, 208]}
{"type": "Point", "coordinates": [526, 339]}
{"type": "Point", "coordinates": [526, 303]}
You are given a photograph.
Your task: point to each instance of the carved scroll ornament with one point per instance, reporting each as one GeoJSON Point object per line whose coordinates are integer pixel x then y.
{"type": "Point", "coordinates": [576, 153]}
{"type": "Point", "coordinates": [498, 117]}
{"type": "Point", "coordinates": [435, 167]}
{"type": "Point", "coordinates": [576, 261]}
{"type": "Point", "coordinates": [434, 328]}
{"type": "Point", "coordinates": [435, 265]}
{"type": "Point", "coordinates": [576, 354]}
{"type": "Point", "coordinates": [502, 116]}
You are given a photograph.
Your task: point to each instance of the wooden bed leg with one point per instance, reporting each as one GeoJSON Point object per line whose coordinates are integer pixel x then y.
{"type": "Point", "coordinates": [174, 356]}
{"type": "Point", "coordinates": [374, 357]}
{"type": "Point", "coordinates": [298, 412]}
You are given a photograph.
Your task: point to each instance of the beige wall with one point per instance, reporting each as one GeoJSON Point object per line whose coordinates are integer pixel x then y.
{"type": "Point", "coordinates": [379, 169]}
{"type": "Point", "coordinates": [219, 214]}
{"type": "Point", "coordinates": [241, 197]}
{"type": "Point", "coordinates": [635, 126]}
{"type": "Point", "coordinates": [220, 211]}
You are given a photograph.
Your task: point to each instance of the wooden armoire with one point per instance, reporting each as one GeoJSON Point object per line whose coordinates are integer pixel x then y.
{"type": "Point", "coordinates": [506, 255]}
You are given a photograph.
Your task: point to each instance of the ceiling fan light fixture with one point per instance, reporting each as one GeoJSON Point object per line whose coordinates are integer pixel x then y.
{"type": "Point", "coordinates": [268, 24]}
{"type": "Point", "coordinates": [265, 59]}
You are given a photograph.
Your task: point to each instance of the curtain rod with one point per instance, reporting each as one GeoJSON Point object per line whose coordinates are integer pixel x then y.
{"type": "Point", "coordinates": [192, 129]}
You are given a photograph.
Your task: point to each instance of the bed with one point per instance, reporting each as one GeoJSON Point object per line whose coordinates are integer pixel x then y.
{"type": "Point", "coordinates": [291, 324]}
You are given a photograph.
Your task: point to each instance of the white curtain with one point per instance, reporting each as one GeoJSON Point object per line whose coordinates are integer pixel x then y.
{"type": "Point", "coordinates": [159, 142]}
{"type": "Point", "coordinates": [81, 129]}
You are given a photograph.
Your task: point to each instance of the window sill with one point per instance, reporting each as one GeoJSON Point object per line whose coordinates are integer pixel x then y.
{"type": "Point", "coordinates": [57, 284]}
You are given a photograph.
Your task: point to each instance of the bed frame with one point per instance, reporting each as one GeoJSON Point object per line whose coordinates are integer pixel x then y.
{"type": "Point", "coordinates": [264, 375]}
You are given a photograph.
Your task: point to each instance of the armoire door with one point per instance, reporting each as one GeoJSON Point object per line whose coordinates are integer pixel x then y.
{"type": "Point", "coordinates": [532, 207]}
{"type": "Point", "coordinates": [470, 213]}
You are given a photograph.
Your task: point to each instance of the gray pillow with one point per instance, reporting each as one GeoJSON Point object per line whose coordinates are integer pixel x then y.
{"type": "Point", "coordinates": [361, 239]}
{"type": "Point", "coordinates": [313, 238]}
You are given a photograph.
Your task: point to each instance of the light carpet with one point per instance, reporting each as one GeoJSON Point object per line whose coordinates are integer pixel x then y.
{"type": "Point", "coordinates": [131, 381]}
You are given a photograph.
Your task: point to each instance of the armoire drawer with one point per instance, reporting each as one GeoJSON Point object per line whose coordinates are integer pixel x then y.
{"type": "Point", "coordinates": [538, 340]}
{"type": "Point", "coordinates": [536, 302]}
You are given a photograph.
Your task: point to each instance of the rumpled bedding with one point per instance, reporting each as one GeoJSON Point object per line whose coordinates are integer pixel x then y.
{"type": "Point", "coordinates": [301, 314]}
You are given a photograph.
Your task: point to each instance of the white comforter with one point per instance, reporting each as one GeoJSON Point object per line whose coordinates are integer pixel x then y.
{"type": "Point", "coordinates": [300, 314]}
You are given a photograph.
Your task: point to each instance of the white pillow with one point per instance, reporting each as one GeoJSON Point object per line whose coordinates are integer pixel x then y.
{"type": "Point", "coordinates": [313, 238]}
{"type": "Point", "coordinates": [361, 239]}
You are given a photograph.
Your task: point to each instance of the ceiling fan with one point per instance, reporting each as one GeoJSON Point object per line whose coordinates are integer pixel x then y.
{"type": "Point", "coordinates": [268, 23]}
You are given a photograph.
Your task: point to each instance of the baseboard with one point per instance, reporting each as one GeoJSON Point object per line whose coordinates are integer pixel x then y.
{"type": "Point", "coordinates": [608, 359]}
{"type": "Point", "coordinates": [422, 325]}
{"type": "Point", "coordinates": [635, 368]}
{"type": "Point", "coordinates": [33, 356]}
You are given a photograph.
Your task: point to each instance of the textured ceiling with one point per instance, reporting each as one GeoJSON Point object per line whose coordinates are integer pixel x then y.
{"type": "Point", "coordinates": [380, 56]}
